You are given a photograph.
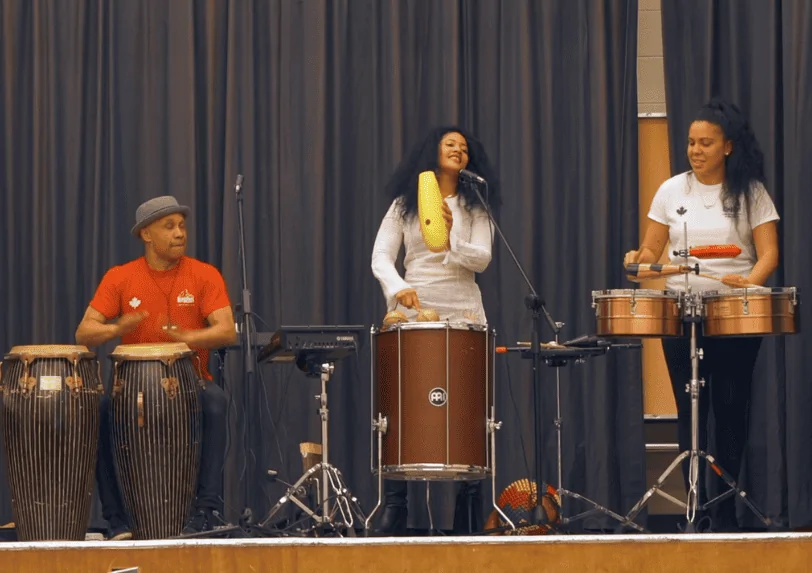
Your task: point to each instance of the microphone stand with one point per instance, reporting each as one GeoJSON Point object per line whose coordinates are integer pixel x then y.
{"type": "Point", "coordinates": [537, 307]}
{"type": "Point", "coordinates": [246, 334]}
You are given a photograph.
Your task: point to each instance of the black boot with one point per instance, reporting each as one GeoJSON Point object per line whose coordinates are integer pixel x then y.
{"type": "Point", "coordinates": [393, 518]}
{"type": "Point", "coordinates": [468, 510]}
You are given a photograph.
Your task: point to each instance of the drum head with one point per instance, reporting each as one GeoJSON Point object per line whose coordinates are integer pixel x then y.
{"type": "Point", "coordinates": [49, 351]}
{"type": "Point", "coordinates": [436, 326]}
{"type": "Point", "coordinates": [742, 292]}
{"type": "Point", "coordinates": [151, 351]}
{"type": "Point", "coordinates": [635, 292]}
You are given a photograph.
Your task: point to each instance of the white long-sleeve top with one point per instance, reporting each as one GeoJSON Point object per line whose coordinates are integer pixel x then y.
{"type": "Point", "coordinates": [444, 281]}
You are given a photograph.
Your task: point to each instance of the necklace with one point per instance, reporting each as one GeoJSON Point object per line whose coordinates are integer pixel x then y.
{"type": "Point", "coordinates": [714, 195]}
{"type": "Point", "coordinates": [167, 296]}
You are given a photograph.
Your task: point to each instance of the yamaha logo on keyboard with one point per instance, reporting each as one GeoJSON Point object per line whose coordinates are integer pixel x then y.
{"type": "Point", "coordinates": [345, 338]}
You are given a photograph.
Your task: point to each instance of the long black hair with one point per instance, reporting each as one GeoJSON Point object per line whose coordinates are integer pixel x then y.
{"type": "Point", "coordinates": [744, 167]}
{"type": "Point", "coordinates": [402, 184]}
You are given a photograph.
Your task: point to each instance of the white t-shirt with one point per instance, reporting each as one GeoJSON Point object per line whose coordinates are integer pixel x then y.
{"type": "Point", "coordinates": [684, 199]}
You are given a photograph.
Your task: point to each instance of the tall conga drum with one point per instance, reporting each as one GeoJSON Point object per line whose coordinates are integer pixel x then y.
{"type": "Point", "coordinates": [156, 425]}
{"type": "Point", "coordinates": [51, 398]}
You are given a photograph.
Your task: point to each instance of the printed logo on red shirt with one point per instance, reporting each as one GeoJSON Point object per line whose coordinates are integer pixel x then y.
{"type": "Point", "coordinates": [186, 298]}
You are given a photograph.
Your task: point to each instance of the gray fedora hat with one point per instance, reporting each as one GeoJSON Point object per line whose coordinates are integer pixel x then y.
{"type": "Point", "coordinates": [156, 208]}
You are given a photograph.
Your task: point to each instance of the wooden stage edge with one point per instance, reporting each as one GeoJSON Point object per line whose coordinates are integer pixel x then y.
{"type": "Point", "coordinates": [763, 552]}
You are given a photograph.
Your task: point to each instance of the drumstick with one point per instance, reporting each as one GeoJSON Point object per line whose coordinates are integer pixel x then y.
{"type": "Point", "coordinates": [520, 344]}
{"type": "Point", "coordinates": [644, 274]}
{"type": "Point", "coordinates": [745, 285]}
{"type": "Point", "coordinates": [649, 271]}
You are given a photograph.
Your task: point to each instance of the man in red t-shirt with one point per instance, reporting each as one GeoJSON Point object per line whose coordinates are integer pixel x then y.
{"type": "Point", "coordinates": [165, 296]}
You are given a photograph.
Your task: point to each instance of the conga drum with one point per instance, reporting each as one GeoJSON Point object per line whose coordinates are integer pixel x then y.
{"type": "Point", "coordinates": [156, 425]}
{"type": "Point", "coordinates": [51, 398]}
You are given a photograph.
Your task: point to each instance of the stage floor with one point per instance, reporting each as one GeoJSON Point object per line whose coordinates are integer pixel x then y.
{"type": "Point", "coordinates": [721, 553]}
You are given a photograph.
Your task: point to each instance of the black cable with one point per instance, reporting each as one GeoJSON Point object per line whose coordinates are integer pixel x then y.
{"type": "Point", "coordinates": [518, 419]}
{"type": "Point", "coordinates": [273, 422]}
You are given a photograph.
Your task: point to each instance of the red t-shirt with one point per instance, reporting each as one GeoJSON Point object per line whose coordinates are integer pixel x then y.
{"type": "Point", "coordinates": [183, 296]}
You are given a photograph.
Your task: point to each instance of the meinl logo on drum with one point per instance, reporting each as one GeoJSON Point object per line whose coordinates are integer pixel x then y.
{"type": "Point", "coordinates": [438, 397]}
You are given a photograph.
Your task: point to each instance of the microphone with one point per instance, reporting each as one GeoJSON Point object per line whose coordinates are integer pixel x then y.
{"type": "Point", "coordinates": [238, 184]}
{"type": "Point", "coordinates": [471, 175]}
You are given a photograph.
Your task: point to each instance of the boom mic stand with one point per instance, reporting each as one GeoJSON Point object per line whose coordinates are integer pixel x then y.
{"type": "Point", "coordinates": [245, 329]}
{"type": "Point", "coordinates": [247, 346]}
{"type": "Point", "coordinates": [537, 307]}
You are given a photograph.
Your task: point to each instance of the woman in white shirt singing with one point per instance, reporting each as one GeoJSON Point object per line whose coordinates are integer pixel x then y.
{"type": "Point", "coordinates": [442, 281]}
{"type": "Point", "coordinates": [724, 201]}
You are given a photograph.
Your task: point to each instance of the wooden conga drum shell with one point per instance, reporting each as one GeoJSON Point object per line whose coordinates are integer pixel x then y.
{"type": "Point", "coordinates": [156, 426]}
{"type": "Point", "coordinates": [51, 397]}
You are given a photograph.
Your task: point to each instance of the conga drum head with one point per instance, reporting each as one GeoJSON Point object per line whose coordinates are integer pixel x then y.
{"type": "Point", "coordinates": [151, 351]}
{"type": "Point", "coordinates": [68, 351]}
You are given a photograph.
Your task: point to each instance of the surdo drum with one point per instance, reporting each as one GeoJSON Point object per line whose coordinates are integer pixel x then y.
{"type": "Point", "coordinates": [433, 383]}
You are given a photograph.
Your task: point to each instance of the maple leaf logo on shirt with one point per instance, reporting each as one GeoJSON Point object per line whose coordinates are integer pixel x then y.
{"type": "Point", "coordinates": [681, 211]}
{"type": "Point", "coordinates": [134, 302]}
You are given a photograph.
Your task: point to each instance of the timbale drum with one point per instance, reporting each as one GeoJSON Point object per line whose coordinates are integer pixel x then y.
{"type": "Point", "coordinates": [637, 313]}
{"type": "Point", "coordinates": [758, 311]}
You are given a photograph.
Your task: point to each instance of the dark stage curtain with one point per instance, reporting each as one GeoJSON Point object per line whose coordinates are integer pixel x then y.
{"type": "Point", "coordinates": [106, 104]}
{"type": "Point", "coordinates": [756, 54]}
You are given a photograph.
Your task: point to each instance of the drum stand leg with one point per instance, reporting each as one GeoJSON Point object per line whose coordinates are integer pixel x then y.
{"type": "Point", "coordinates": [493, 426]}
{"type": "Point", "coordinates": [332, 486]}
{"type": "Point", "coordinates": [562, 493]}
{"type": "Point", "coordinates": [694, 455]}
{"type": "Point", "coordinates": [379, 426]}
{"type": "Point", "coordinates": [432, 530]}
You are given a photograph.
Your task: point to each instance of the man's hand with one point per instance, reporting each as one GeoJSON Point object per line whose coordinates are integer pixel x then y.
{"type": "Point", "coordinates": [179, 335]}
{"type": "Point", "coordinates": [129, 322]}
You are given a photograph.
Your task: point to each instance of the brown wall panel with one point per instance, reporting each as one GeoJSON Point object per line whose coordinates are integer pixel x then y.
{"type": "Point", "coordinates": [654, 168]}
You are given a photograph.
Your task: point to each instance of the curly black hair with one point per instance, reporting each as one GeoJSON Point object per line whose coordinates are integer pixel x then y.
{"type": "Point", "coordinates": [744, 167]}
{"type": "Point", "coordinates": [402, 184]}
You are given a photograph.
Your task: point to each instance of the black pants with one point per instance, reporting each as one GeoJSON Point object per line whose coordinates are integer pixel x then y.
{"type": "Point", "coordinates": [468, 507]}
{"type": "Point", "coordinates": [214, 406]}
{"type": "Point", "coordinates": [727, 369]}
